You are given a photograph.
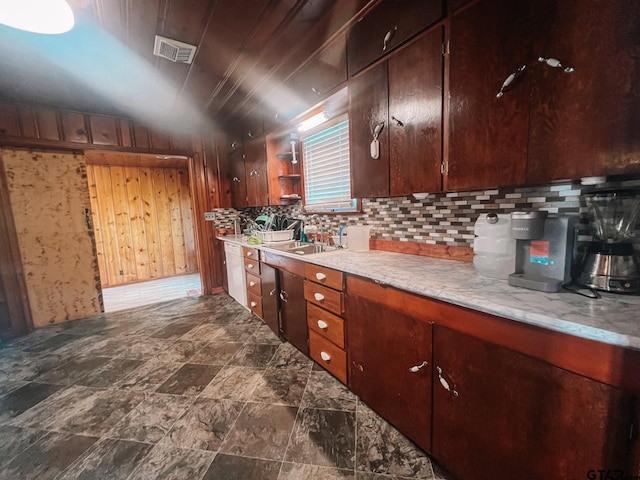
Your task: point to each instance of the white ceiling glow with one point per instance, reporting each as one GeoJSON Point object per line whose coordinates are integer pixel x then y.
{"type": "Point", "coordinates": [38, 16]}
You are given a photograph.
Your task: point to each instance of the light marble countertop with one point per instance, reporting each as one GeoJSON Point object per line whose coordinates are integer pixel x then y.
{"type": "Point", "coordinates": [613, 319]}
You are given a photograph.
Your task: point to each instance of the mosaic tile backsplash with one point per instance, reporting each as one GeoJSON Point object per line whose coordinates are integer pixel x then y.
{"type": "Point", "coordinates": [448, 218]}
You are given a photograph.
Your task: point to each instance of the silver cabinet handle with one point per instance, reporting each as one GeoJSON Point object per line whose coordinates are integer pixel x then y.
{"type": "Point", "coordinates": [254, 304]}
{"type": "Point", "coordinates": [234, 145]}
{"type": "Point", "coordinates": [250, 266]}
{"type": "Point", "coordinates": [398, 122]}
{"type": "Point", "coordinates": [510, 79]}
{"type": "Point", "coordinates": [319, 297]}
{"type": "Point", "coordinates": [249, 254]}
{"type": "Point", "coordinates": [252, 284]}
{"type": "Point", "coordinates": [325, 356]}
{"type": "Point", "coordinates": [417, 368]}
{"type": "Point", "coordinates": [250, 135]}
{"type": "Point", "coordinates": [236, 179]}
{"type": "Point", "coordinates": [555, 63]}
{"type": "Point", "coordinates": [388, 37]}
{"type": "Point", "coordinates": [316, 91]}
{"type": "Point", "coordinates": [445, 384]}
{"type": "Point", "coordinates": [323, 325]}
{"type": "Point", "coordinates": [283, 296]}
{"type": "Point", "coordinates": [321, 277]}
{"type": "Point", "coordinates": [272, 292]}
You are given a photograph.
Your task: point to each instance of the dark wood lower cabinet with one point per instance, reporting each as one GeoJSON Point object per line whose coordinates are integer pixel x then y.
{"type": "Point", "coordinates": [293, 310]}
{"type": "Point", "coordinates": [390, 365]}
{"type": "Point", "coordinates": [270, 297]}
{"type": "Point", "coordinates": [498, 414]}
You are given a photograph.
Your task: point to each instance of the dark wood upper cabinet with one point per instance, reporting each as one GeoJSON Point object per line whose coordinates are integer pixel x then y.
{"type": "Point", "coordinates": [390, 365]}
{"type": "Point", "coordinates": [237, 179]}
{"type": "Point", "coordinates": [415, 116]}
{"type": "Point", "coordinates": [585, 123]}
{"type": "Point", "coordinates": [387, 26]}
{"type": "Point", "coordinates": [404, 95]}
{"type": "Point", "coordinates": [256, 172]}
{"type": "Point", "coordinates": [499, 414]}
{"type": "Point", "coordinates": [322, 74]}
{"type": "Point", "coordinates": [368, 107]}
{"type": "Point", "coordinates": [488, 135]}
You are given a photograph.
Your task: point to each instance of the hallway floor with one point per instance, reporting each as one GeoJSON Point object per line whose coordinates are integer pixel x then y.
{"type": "Point", "coordinates": [152, 291]}
{"type": "Point", "coordinates": [195, 388]}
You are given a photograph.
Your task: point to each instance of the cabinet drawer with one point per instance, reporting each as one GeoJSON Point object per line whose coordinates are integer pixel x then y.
{"type": "Point", "coordinates": [254, 284]}
{"type": "Point", "coordinates": [326, 324]}
{"type": "Point", "coordinates": [252, 266]}
{"type": "Point", "coordinates": [255, 303]}
{"type": "Point", "coordinates": [249, 252]}
{"type": "Point", "coordinates": [324, 276]}
{"type": "Point", "coordinates": [324, 297]}
{"type": "Point", "coordinates": [329, 356]}
{"type": "Point", "coordinates": [392, 20]}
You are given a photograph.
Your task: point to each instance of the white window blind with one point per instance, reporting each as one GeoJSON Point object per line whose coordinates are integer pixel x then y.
{"type": "Point", "coordinates": [327, 177]}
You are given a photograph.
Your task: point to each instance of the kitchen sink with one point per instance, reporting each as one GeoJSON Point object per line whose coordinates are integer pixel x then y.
{"type": "Point", "coordinates": [303, 248]}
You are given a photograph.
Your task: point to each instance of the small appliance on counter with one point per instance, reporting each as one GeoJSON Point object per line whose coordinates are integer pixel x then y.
{"type": "Point", "coordinates": [494, 249]}
{"type": "Point", "coordinates": [610, 263]}
{"type": "Point", "coordinates": [545, 248]}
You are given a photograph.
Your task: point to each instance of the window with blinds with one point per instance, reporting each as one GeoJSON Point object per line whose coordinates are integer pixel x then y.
{"type": "Point", "coordinates": [327, 176]}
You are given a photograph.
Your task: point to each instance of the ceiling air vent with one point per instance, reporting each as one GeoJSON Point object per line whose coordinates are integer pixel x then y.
{"type": "Point", "coordinates": [174, 50]}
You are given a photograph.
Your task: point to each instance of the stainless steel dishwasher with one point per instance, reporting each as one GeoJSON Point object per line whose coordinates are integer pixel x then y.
{"type": "Point", "coordinates": [236, 278]}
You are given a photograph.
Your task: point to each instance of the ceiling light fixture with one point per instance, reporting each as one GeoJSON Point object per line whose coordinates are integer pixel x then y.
{"type": "Point", "coordinates": [314, 121]}
{"type": "Point", "coordinates": [37, 16]}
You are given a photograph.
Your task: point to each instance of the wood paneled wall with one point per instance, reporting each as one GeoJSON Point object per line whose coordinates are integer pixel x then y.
{"type": "Point", "coordinates": [143, 222]}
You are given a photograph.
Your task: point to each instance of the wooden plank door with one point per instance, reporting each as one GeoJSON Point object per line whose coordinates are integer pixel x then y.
{"type": "Point", "coordinates": [51, 208]}
{"type": "Point", "coordinates": [293, 310]}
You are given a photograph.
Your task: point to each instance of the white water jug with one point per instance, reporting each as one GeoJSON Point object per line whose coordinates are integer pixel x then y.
{"type": "Point", "coordinates": [359, 238]}
{"type": "Point", "coordinates": [494, 248]}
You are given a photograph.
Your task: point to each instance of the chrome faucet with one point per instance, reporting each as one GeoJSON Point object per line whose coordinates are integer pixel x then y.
{"type": "Point", "coordinates": [316, 219]}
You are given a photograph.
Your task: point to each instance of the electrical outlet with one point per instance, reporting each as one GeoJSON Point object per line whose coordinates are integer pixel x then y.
{"type": "Point", "coordinates": [209, 216]}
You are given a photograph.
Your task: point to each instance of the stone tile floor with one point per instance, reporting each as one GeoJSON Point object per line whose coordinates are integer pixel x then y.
{"type": "Point", "coordinates": [195, 388]}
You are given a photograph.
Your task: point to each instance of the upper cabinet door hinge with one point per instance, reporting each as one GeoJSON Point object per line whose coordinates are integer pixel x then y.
{"type": "Point", "coordinates": [444, 168]}
{"type": "Point", "coordinates": [446, 48]}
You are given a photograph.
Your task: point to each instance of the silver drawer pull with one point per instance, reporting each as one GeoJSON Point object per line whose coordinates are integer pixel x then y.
{"type": "Point", "coordinates": [388, 37]}
{"type": "Point", "coordinates": [252, 284]}
{"type": "Point", "coordinates": [319, 297]}
{"type": "Point", "coordinates": [250, 266]}
{"type": "Point", "coordinates": [323, 325]}
{"type": "Point", "coordinates": [325, 356]}
{"type": "Point", "coordinates": [249, 254]}
{"type": "Point", "coordinates": [254, 304]}
{"type": "Point", "coordinates": [510, 79]}
{"type": "Point", "coordinates": [321, 277]}
{"type": "Point", "coordinates": [417, 368]}
{"type": "Point", "coordinates": [445, 383]}
{"type": "Point", "coordinates": [555, 63]}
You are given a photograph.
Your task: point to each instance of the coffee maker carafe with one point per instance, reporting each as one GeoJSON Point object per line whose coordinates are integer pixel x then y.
{"type": "Point", "coordinates": [610, 263]}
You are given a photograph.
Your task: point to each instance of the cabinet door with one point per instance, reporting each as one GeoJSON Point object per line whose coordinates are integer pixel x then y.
{"type": "Point", "coordinates": [390, 366]}
{"type": "Point", "coordinates": [387, 26]}
{"type": "Point", "coordinates": [322, 73]}
{"type": "Point", "coordinates": [415, 116]}
{"type": "Point", "coordinates": [488, 135]}
{"type": "Point", "coordinates": [293, 311]}
{"type": "Point", "coordinates": [585, 123]}
{"type": "Point", "coordinates": [368, 107]}
{"type": "Point", "coordinates": [256, 172]}
{"type": "Point", "coordinates": [513, 416]}
{"type": "Point", "coordinates": [237, 179]}
{"type": "Point", "coordinates": [269, 277]}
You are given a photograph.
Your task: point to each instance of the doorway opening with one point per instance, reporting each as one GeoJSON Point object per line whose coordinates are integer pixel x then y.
{"type": "Point", "coordinates": [142, 214]}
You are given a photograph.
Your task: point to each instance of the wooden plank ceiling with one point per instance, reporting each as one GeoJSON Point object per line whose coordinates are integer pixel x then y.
{"type": "Point", "coordinates": [246, 49]}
